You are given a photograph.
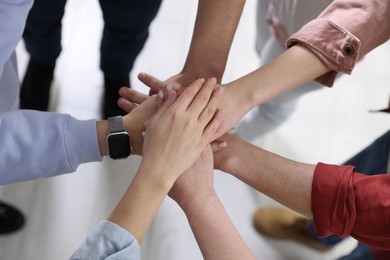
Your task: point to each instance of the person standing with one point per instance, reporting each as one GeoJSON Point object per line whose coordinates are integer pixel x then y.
{"type": "Point", "coordinates": [125, 32]}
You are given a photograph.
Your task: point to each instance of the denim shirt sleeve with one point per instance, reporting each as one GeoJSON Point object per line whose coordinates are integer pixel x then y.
{"type": "Point", "coordinates": [108, 241]}
{"type": "Point", "coordinates": [344, 33]}
{"type": "Point", "coordinates": [43, 144]}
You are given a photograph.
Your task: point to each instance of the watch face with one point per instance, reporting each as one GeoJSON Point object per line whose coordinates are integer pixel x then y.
{"type": "Point", "coordinates": [118, 145]}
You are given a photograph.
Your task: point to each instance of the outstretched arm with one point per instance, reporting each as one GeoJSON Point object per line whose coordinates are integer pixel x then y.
{"type": "Point", "coordinates": [340, 201]}
{"type": "Point", "coordinates": [353, 27]}
{"type": "Point", "coordinates": [284, 180]}
{"type": "Point", "coordinates": [291, 69]}
{"type": "Point", "coordinates": [215, 233]}
{"type": "Point", "coordinates": [181, 128]}
{"type": "Point", "coordinates": [215, 26]}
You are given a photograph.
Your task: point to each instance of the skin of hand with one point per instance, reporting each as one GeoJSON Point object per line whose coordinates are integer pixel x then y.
{"type": "Point", "coordinates": [284, 180]}
{"type": "Point", "coordinates": [298, 65]}
{"type": "Point", "coordinates": [191, 120]}
{"type": "Point", "coordinates": [196, 182]}
{"type": "Point", "coordinates": [231, 102]}
{"type": "Point", "coordinates": [134, 121]}
{"type": "Point", "coordinates": [194, 191]}
{"type": "Point", "coordinates": [215, 26]}
{"type": "Point", "coordinates": [182, 126]}
{"type": "Point", "coordinates": [131, 99]}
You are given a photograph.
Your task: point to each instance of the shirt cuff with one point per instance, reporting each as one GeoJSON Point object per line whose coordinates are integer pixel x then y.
{"type": "Point", "coordinates": [81, 141]}
{"type": "Point", "coordinates": [333, 200]}
{"type": "Point", "coordinates": [340, 54]}
{"type": "Point", "coordinates": [108, 241]}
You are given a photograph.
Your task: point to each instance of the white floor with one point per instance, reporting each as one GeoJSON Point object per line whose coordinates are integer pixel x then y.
{"type": "Point", "coordinates": [329, 125]}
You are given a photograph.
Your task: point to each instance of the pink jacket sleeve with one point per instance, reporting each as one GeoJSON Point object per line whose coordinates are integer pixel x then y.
{"type": "Point", "coordinates": [345, 202]}
{"type": "Point", "coordinates": [344, 33]}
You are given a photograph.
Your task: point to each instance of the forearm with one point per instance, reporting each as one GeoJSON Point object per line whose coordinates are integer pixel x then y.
{"type": "Point", "coordinates": [215, 26]}
{"type": "Point", "coordinates": [139, 204]}
{"type": "Point", "coordinates": [291, 69]}
{"type": "Point", "coordinates": [215, 234]}
{"type": "Point", "coordinates": [284, 180]}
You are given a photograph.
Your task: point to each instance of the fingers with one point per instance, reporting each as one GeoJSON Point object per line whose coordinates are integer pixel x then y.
{"type": "Point", "coordinates": [132, 95]}
{"type": "Point", "coordinates": [126, 105]}
{"type": "Point", "coordinates": [202, 98]}
{"type": "Point", "coordinates": [153, 83]}
{"type": "Point", "coordinates": [212, 127]}
{"type": "Point", "coordinates": [188, 95]}
{"type": "Point", "coordinates": [208, 112]}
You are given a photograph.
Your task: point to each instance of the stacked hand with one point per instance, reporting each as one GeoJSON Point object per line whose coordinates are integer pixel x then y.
{"type": "Point", "coordinates": [182, 127]}
{"type": "Point", "coordinates": [232, 103]}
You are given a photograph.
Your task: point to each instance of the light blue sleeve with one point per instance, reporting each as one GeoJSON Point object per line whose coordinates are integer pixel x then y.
{"type": "Point", "coordinates": [43, 144]}
{"type": "Point", "coordinates": [13, 15]}
{"type": "Point", "coordinates": [108, 241]}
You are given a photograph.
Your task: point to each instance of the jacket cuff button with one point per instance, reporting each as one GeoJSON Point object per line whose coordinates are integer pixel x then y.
{"type": "Point", "coordinates": [349, 50]}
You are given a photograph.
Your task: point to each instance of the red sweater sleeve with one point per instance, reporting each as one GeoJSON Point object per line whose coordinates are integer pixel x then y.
{"type": "Point", "coordinates": [345, 202]}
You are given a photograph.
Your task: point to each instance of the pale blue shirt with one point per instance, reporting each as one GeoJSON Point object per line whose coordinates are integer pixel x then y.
{"type": "Point", "coordinates": [41, 144]}
{"type": "Point", "coordinates": [108, 241]}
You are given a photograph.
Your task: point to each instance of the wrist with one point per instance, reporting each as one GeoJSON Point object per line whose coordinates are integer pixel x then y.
{"type": "Point", "coordinates": [244, 95]}
{"type": "Point", "coordinates": [135, 133]}
{"type": "Point", "coordinates": [193, 72]}
{"type": "Point", "coordinates": [157, 175]}
{"type": "Point", "coordinates": [102, 132]}
{"type": "Point", "coordinates": [197, 202]}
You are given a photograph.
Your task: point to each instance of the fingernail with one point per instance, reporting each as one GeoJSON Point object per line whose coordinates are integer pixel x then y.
{"type": "Point", "coordinates": [202, 80]}
{"type": "Point", "coordinates": [143, 135]}
{"type": "Point", "coordinates": [142, 74]}
{"type": "Point", "coordinates": [169, 86]}
{"type": "Point", "coordinates": [161, 94]}
{"type": "Point", "coordinates": [213, 80]}
{"type": "Point", "coordinates": [222, 144]}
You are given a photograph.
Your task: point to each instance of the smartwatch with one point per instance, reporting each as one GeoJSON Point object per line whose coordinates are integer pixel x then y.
{"type": "Point", "coordinates": [118, 140]}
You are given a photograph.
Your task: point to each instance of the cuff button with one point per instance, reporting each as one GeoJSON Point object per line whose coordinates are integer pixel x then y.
{"type": "Point", "coordinates": [349, 50]}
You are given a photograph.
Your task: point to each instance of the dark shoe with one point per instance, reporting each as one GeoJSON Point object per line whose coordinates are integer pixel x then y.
{"type": "Point", "coordinates": [111, 95]}
{"type": "Point", "coordinates": [35, 90]}
{"type": "Point", "coordinates": [280, 223]}
{"type": "Point", "coordinates": [11, 219]}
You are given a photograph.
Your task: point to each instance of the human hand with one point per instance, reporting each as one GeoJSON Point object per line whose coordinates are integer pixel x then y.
{"type": "Point", "coordinates": [232, 103]}
{"type": "Point", "coordinates": [135, 120]}
{"type": "Point", "coordinates": [225, 159]}
{"type": "Point", "coordinates": [182, 128]}
{"type": "Point", "coordinates": [196, 182]}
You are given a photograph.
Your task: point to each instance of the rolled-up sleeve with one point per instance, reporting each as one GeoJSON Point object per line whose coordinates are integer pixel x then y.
{"type": "Point", "coordinates": [345, 202]}
{"type": "Point", "coordinates": [344, 33]}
